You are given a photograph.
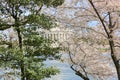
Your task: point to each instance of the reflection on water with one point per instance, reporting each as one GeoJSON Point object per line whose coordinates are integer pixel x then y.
{"type": "Point", "coordinates": [65, 72]}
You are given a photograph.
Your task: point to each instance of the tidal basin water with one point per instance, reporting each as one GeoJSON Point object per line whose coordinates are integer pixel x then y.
{"type": "Point", "coordinates": [66, 73]}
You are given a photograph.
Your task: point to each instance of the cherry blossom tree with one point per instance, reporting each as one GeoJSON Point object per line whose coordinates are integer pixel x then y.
{"type": "Point", "coordinates": [98, 21]}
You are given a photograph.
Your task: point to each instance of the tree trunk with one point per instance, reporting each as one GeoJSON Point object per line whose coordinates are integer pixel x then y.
{"type": "Point", "coordinates": [82, 76]}
{"type": "Point", "coordinates": [21, 62]}
{"type": "Point", "coordinates": [114, 57]}
{"type": "Point", "coordinates": [19, 38]}
{"type": "Point", "coordinates": [22, 71]}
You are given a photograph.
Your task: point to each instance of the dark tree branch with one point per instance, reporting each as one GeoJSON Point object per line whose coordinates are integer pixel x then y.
{"type": "Point", "coordinates": [79, 74]}
{"type": "Point", "coordinates": [84, 71]}
{"type": "Point", "coordinates": [5, 26]}
{"type": "Point", "coordinates": [40, 8]}
{"type": "Point", "coordinates": [101, 20]}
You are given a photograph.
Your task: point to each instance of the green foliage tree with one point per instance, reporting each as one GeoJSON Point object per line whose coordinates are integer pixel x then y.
{"type": "Point", "coordinates": [29, 51]}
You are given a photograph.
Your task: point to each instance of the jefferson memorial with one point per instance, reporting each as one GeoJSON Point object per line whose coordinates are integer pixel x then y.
{"type": "Point", "coordinates": [59, 34]}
